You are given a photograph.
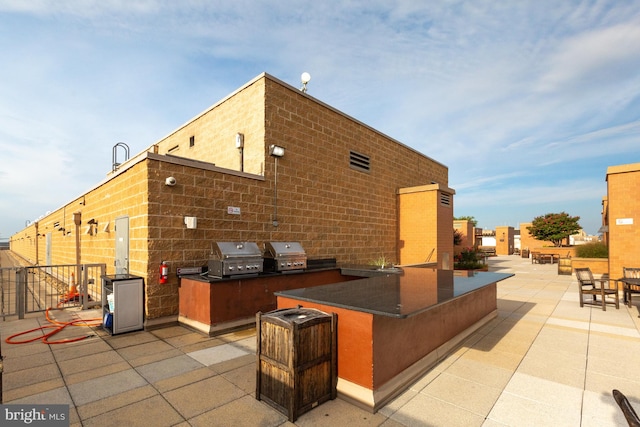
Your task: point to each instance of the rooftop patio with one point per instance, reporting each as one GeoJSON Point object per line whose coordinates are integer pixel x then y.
{"type": "Point", "coordinates": [542, 361]}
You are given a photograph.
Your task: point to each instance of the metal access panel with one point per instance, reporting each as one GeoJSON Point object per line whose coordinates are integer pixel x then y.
{"type": "Point", "coordinates": [123, 303]}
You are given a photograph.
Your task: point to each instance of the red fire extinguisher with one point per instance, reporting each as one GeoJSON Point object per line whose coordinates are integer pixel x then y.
{"type": "Point", "coordinates": [164, 272]}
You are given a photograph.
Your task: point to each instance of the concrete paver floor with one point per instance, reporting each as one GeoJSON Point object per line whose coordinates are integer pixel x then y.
{"type": "Point", "coordinates": [542, 361]}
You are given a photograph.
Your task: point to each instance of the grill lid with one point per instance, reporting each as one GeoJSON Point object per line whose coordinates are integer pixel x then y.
{"type": "Point", "coordinates": [284, 249]}
{"type": "Point", "coordinates": [228, 250]}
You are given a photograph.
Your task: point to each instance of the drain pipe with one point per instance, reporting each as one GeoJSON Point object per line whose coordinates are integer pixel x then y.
{"type": "Point", "coordinates": [77, 219]}
{"type": "Point", "coordinates": [37, 245]}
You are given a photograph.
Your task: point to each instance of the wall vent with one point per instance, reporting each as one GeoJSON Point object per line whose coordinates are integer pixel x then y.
{"type": "Point", "coordinates": [359, 162]}
{"type": "Point", "coordinates": [445, 199]}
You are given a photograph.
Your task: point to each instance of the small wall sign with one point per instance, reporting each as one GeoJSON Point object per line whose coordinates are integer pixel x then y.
{"type": "Point", "coordinates": [233, 210]}
{"type": "Point", "coordinates": [624, 221]}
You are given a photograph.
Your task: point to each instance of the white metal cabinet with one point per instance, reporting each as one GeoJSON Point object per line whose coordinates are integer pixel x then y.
{"type": "Point", "coordinates": [122, 303]}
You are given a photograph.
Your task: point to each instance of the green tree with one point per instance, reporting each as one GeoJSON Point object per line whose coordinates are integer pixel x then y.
{"type": "Point", "coordinates": [457, 237]}
{"type": "Point", "coordinates": [471, 219]}
{"type": "Point", "coordinates": [554, 227]}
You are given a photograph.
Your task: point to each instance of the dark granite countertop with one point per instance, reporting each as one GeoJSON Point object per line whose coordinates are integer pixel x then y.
{"type": "Point", "coordinates": [204, 277]}
{"type": "Point", "coordinates": [398, 294]}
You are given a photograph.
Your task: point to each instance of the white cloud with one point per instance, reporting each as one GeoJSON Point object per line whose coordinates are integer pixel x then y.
{"type": "Point", "coordinates": [500, 92]}
{"type": "Point", "coordinates": [603, 57]}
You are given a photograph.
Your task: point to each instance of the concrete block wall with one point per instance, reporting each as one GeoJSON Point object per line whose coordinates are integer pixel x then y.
{"type": "Point", "coordinates": [504, 240]}
{"type": "Point", "coordinates": [332, 209]}
{"type": "Point", "coordinates": [125, 194]}
{"type": "Point", "coordinates": [337, 210]}
{"type": "Point", "coordinates": [623, 188]}
{"type": "Point", "coordinates": [467, 231]}
{"type": "Point", "coordinates": [214, 132]}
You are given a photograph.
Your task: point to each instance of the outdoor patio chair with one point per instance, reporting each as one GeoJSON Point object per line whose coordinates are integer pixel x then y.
{"type": "Point", "coordinates": [629, 289]}
{"type": "Point", "coordinates": [590, 286]}
{"type": "Point", "coordinates": [535, 257]}
{"type": "Point", "coordinates": [628, 411]}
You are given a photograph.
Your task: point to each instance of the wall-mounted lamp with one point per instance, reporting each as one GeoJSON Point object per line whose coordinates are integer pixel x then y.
{"type": "Point", "coordinates": [305, 78]}
{"type": "Point", "coordinates": [93, 227]}
{"type": "Point", "coordinates": [240, 147]}
{"type": "Point", "coordinates": [191, 222]}
{"type": "Point", "coordinates": [276, 151]}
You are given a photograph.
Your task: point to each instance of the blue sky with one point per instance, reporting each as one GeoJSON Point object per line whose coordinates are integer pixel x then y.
{"type": "Point", "coordinates": [526, 102]}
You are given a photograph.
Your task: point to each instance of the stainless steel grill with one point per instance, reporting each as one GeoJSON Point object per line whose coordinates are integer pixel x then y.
{"type": "Point", "coordinates": [284, 256]}
{"type": "Point", "coordinates": [235, 258]}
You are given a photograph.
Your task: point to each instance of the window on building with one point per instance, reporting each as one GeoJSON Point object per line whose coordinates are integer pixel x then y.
{"type": "Point", "coordinates": [192, 141]}
{"type": "Point", "coordinates": [360, 162]}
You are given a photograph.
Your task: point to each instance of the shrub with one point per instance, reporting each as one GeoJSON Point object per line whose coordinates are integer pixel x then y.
{"type": "Point", "coordinates": [592, 250]}
{"type": "Point", "coordinates": [467, 260]}
{"type": "Point", "coordinates": [457, 237]}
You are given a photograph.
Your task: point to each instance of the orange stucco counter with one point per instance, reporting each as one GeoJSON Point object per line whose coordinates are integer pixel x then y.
{"type": "Point", "coordinates": [393, 328]}
{"type": "Point", "coordinates": [217, 305]}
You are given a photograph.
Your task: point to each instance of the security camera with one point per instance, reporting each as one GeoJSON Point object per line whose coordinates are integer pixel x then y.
{"type": "Point", "coordinates": [171, 181]}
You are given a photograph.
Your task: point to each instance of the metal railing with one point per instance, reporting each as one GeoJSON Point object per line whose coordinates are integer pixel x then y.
{"type": "Point", "coordinates": [35, 289]}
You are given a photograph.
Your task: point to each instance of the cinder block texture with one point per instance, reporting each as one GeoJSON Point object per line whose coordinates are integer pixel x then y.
{"type": "Point", "coordinates": [335, 191]}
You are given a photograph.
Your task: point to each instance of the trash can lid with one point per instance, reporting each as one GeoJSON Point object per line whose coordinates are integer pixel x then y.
{"type": "Point", "coordinates": [296, 315]}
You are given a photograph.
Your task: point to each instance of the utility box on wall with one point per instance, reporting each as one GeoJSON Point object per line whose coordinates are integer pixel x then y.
{"type": "Point", "coordinates": [296, 359]}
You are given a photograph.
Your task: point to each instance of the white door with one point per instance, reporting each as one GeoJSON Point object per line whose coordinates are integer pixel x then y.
{"type": "Point", "coordinates": [48, 249]}
{"type": "Point", "coordinates": [122, 245]}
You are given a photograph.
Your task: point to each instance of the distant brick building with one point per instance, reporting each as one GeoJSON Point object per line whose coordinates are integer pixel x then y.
{"type": "Point", "coordinates": [621, 217]}
{"type": "Point", "coordinates": [342, 189]}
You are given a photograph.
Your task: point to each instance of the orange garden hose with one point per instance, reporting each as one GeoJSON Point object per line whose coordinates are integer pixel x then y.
{"type": "Point", "coordinates": [57, 326]}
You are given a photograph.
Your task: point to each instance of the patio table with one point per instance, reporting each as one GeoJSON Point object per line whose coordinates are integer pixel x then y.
{"type": "Point", "coordinates": [627, 283]}
{"type": "Point", "coordinates": [547, 258]}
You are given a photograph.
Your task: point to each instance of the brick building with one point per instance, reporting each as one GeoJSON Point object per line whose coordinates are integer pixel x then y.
{"type": "Point", "coordinates": [341, 189]}
{"type": "Point", "coordinates": [621, 216]}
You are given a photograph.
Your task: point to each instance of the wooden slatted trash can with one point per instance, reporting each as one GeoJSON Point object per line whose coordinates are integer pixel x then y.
{"type": "Point", "coordinates": [296, 359]}
{"type": "Point", "coordinates": [564, 267]}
